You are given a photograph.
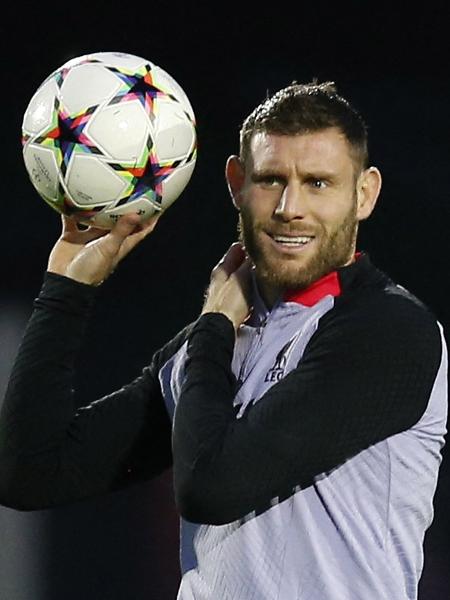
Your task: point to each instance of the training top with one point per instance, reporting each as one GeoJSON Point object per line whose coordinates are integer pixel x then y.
{"type": "Point", "coordinates": [305, 448]}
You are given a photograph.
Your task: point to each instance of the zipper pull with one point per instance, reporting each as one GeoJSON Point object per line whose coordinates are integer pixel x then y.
{"type": "Point", "coordinates": [261, 326]}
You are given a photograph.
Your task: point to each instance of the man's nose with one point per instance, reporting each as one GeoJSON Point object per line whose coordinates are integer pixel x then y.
{"type": "Point", "coordinates": [292, 204]}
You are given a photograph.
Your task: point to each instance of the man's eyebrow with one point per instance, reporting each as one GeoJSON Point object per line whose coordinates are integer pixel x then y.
{"type": "Point", "coordinates": [267, 172]}
{"type": "Point", "coordinates": [261, 173]}
{"type": "Point", "coordinates": [320, 174]}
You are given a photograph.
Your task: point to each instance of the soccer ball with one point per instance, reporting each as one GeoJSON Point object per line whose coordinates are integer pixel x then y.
{"type": "Point", "coordinates": [108, 134]}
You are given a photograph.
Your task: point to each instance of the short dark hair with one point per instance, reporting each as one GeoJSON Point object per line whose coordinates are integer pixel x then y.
{"type": "Point", "coordinates": [305, 108]}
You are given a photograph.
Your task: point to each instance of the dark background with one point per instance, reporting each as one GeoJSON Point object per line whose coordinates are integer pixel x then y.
{"type": "Point", "coordinates": [392, 63]}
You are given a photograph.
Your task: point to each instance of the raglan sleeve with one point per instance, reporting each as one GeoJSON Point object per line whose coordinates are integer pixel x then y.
{"type": "Point", "coordinates": [362, 378]}
{"type": "Point", "coordinates": [53, 452]}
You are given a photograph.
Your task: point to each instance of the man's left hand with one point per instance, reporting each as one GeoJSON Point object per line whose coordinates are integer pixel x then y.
{"type": "Point", "coordinates": [229, 290]}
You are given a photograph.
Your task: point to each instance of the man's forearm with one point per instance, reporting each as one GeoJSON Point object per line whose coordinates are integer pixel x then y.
{"type": "Point", "coordinates": [52, 453]}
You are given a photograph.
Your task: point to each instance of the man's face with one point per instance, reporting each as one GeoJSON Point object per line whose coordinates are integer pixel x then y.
{"type": "Point", "coordinates": [298, 207]}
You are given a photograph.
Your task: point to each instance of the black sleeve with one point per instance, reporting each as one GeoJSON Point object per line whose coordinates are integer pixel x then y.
{"type": "Point", "coordinates": [52, 453]}
{"type": "Point", "coordinates": [361, 379]}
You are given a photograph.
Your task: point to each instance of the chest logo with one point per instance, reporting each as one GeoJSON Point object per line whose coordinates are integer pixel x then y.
{"type": "Point", "coordinates": [276, 373]}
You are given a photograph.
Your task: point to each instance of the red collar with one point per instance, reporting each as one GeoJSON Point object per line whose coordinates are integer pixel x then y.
{"type": "Point", "coordinates": [326, 285]}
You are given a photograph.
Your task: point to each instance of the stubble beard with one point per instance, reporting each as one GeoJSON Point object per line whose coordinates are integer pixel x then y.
{"type": "Point", "coordinates": [335, 250]}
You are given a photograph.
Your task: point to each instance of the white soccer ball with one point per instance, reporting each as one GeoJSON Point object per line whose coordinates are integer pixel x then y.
{"type": "Point", "coordinates": [108, 134]}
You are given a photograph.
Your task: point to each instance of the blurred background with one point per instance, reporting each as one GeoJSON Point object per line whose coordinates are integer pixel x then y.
{"type": "Point", "coordinates": [392, 63]}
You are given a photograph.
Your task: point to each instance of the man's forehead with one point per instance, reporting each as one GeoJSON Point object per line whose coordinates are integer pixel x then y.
{"type": "Point", "coordinates": [326, 146]}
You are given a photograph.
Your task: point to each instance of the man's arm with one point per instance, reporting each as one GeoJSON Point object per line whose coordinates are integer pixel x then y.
{"type": "Point", "coordinates": [50, 452]}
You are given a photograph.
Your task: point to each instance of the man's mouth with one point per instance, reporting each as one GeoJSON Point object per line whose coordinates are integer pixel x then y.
{"type": "Point", "coordinates": [292, 241]}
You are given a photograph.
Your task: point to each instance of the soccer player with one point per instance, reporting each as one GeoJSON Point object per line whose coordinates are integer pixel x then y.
{"type": "Point", "coordinates": [304, 412]}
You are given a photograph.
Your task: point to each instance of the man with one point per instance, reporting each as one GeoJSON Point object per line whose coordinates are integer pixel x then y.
{"type": "Point", "coordinates": [308, 401]}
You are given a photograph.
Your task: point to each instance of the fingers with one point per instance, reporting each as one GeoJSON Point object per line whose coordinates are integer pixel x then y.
{"type": "Point", "coordinates": [72, 233]}
{"type": "Point", "coordinates": [231, 261]}
{"type": "Point", "coordinates": [244, 268]}
{"type": "Point", "coordinates": [72, 225]}
{"type": "Point", "coordinates": [143, 229]}
{"type": "Point", "coordinates": [233, 258]}
{"type": "Point", "coordinates": [243, 277]}
{"type": "Point", "coordinates": [116, 243]}
{"type": "Point", "coordinates": [125, 225]}
{"type": "Point", "coordinates": [69, 224]}
{"type": "Point", "coordinates": [138, 234]}
{"type": "Point", "coordinates": [229, 291]}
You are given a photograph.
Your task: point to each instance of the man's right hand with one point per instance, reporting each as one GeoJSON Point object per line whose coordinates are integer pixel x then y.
{"type": "Point", "coordinates": [90, 256]}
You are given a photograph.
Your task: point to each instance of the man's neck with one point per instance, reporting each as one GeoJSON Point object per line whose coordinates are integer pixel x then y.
{"type": "Point", "coordinates": [270, 293]}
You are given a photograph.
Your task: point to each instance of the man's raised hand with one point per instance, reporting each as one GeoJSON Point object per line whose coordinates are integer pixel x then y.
{"type": "Point", "coordinates": [90, 256]}
{"type": "Point", "coordinates": [229, 291]}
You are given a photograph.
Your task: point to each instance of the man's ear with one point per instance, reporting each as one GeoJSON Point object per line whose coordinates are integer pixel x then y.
{"type": "Point", "coordinates": [368, 189]}
{"type": "Point", "coordinates": [235, 175]}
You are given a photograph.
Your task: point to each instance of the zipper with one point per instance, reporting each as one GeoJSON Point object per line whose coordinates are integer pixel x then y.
{"type": "Point", "coordinates": [254, 348]}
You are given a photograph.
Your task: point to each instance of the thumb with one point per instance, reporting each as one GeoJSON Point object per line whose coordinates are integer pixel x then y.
{"type": "Point", "coordinates": [125, 225]}
{"type": "Point", "coordinates": [229, 263]}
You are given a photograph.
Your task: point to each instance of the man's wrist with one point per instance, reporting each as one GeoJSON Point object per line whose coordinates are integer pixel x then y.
{"type": "Point", "coordinates": [235, 322]}
{"type": "Point", "coordinates": [66, 293]}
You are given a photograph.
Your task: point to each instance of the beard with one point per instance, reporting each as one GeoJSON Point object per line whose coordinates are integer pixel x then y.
{"type": "Point", "coordinates": [335, 249]}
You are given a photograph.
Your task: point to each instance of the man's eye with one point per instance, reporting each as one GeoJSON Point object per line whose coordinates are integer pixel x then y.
{"type": "Point", "coordinates": [317, 184]}
{"type": "Point", "coordinates": [270, 181]}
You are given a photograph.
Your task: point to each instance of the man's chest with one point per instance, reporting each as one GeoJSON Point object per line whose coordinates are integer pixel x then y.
{"type": "Point", "coordinates": [263, 354]}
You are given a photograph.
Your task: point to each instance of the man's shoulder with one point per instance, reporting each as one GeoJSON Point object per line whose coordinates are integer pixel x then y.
{"type": "Point", "coordinates": [385, 314]}
{"type": "Point", "coordinates": [171, 347]}
{"type": "Point", "coordinates": [371, 295]}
